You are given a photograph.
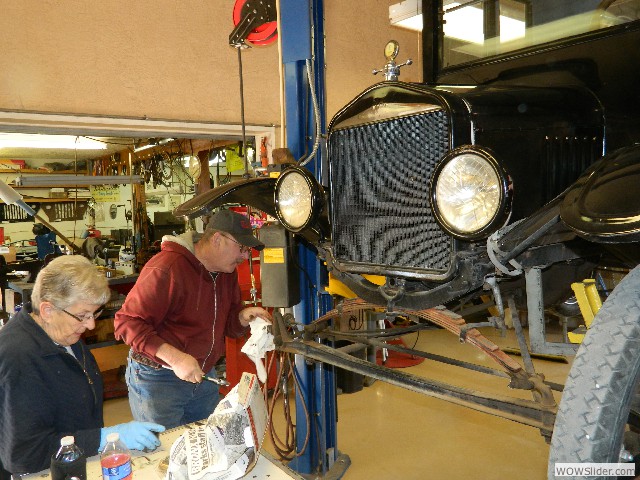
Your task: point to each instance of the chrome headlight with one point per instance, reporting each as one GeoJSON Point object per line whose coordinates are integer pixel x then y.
{"type": "Point", "coordinates": [298, 198]}
{"type": "Point", "coordinates": [470, 193]}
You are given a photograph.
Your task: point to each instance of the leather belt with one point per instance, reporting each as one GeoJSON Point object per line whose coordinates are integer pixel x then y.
{"type": "Point", "coordinates": [138, 357]}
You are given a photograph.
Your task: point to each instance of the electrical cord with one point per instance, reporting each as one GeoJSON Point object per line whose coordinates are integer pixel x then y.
{"type": "Point", "coordinates": [316, 114]}
{"type": "Point", "coordinates": [286, 448]}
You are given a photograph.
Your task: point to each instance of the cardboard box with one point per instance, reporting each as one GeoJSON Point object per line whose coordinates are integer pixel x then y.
{"type": "Point", "coordinates": [8, 252]}
{"type": "Point", "coordinates": [57, 193]}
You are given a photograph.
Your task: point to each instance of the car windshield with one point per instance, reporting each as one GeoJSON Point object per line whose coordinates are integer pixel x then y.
{"type": "Point", "coordinates": [477, 29]}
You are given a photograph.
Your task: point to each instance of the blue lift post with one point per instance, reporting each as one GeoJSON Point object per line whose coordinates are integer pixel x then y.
{"type": "Point", "coordinates": [302, 37]}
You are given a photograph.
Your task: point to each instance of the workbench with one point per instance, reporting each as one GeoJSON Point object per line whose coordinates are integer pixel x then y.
{"type": "Point", "coordinates": [146, 465]}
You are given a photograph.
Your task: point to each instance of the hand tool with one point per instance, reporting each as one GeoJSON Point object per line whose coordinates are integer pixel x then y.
{"type": "Point", "coordinates": [219, 381]}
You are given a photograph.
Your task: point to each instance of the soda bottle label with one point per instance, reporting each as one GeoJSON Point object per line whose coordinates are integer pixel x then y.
{"type": "Point", "coordinates": [117, 473]}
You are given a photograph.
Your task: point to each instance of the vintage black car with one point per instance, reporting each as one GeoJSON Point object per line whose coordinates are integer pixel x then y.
{"type": "Point", "coordinates": [514, 168]}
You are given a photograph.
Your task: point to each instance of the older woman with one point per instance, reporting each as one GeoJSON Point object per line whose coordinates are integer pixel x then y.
{"type": "Point", "coordinates": [50, 385]}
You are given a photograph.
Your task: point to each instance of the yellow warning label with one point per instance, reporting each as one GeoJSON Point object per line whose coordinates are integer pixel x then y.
{"type": "Point", "coordinates": [273, 255]}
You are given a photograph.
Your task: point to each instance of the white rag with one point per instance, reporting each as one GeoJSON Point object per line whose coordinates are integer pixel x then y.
{"type": "Point", "coordinates": [260, 342]}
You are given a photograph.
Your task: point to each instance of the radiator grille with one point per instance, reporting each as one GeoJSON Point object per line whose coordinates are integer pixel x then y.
{"type": "Point", "coordinates": [380, 193]}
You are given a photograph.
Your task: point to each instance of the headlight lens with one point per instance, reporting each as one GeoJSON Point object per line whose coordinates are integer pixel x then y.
{"type": "Point", "coordinates": [469, 193]}
{"type": "Point", "coordinates": [294, 200]}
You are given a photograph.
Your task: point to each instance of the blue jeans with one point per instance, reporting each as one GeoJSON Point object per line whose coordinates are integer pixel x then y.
{"type": "Point", "coordinates": [159, 396]}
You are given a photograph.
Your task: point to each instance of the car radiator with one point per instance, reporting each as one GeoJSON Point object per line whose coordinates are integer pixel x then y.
{"type": "Point", "coordinates": [381, 214]}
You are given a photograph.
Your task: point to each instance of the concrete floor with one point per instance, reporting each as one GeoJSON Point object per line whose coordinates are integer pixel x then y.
{"type": "Point", "coordinates": [393, 433]}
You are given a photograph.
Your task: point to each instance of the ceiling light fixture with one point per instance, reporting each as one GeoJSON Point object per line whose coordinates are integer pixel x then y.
{"type": "Point", "coordinates": [406, 14]}
{"type": "Point", "coordinates": [461, 22]}
{"type": "Point", "coordinates": [76, 180]}
{"type": "Point", "coordinates": [151, 143]}
{"type": "Point", "coordinates": [34, 140]}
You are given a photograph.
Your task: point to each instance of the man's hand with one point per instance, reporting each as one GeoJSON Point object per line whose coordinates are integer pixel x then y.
{"type": "Point", "coordinates": [187, 368]}
{"type": "Point", "coordinates": [183, 365]}
{"type": "Point", "coordinates": [249, 314]}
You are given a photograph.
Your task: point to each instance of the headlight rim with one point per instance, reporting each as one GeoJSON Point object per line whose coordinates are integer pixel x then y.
{"type": "Point", "coordinates": [316, 197]}
{"type": "Point", "coordinates": [503, 211]}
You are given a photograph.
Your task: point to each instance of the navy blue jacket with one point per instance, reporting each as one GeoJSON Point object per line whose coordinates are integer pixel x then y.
{"type": "Point", "coordinates": [45, 394]}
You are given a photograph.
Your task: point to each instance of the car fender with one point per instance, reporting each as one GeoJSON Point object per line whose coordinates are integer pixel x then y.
{"type": "Point", "coordinates": [258, 193]}
{"type": "Point", "coordinates": [604, 204]}
{"type": "Point", "coordinates": [255, 192]}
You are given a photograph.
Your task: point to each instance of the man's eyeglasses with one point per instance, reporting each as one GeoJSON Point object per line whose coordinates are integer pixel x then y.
{"type": "Point", "coordinates": [243, 248]}
{"type": "Point", "coordinates": [87, 317]}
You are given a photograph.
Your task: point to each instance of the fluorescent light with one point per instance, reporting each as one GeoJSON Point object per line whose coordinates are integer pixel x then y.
{"type": "Point", "coordinates": [77, 180]}
{"type": "Point", "coordinates": [467, 24]}
{"type": "Point", "coordinates": [31, 140]}
{"type": "Point", "coordinates": [463, 23]}
{"type": "Point", "coordinates": [152, 142]}
{"type": "Point", "coordinates": [406, 14]}
{"type": "Point", "coordinates": [143, 147]}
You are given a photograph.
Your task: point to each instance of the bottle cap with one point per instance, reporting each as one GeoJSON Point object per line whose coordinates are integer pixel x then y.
{"type": "Point", "coordinates": [113, 437]}
{"type": "Point", "coordinates": [66, 441]}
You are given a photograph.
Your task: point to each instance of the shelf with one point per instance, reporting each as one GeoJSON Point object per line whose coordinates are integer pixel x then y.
{"type": "Point", "coordinates": [42, 172]}
{"type": "Point", "coordinates": [52, 200]}
{"type": "Point", "coordinates": [31, 187]}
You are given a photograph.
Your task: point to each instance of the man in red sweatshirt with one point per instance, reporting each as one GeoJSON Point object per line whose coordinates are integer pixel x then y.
{"type": "Point", "coordinates": [186, 300]}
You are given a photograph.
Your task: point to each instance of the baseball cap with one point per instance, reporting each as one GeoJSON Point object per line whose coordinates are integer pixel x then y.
{"type": "Point", "coordinates": [237, 225]}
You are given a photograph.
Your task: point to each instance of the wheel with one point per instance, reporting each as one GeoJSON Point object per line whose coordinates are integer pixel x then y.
{"type": "Point", "coordinates": [600, 392]}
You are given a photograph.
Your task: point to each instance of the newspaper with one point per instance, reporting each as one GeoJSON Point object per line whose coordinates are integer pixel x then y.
{"type": "Point", "coordinates": [227, 446]}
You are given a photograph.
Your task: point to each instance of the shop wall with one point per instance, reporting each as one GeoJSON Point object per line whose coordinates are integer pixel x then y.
{"type": "Point", "coordinates": [163, 59]}
{"type": "Point", "coordinates": [356, 33]}
{"type": "Point", "coordinates": [170, 59]}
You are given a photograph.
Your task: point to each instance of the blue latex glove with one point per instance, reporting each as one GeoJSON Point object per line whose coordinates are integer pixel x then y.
{"type": "Point", "coordinates": [135, 435]}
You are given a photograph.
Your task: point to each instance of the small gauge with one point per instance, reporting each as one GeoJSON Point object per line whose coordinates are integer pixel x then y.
{"type": "Point", "coordinates": [391, 50]}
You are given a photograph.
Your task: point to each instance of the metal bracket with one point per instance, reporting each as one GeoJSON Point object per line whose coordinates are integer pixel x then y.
{"type": "Point", "coordinates": [392, 293]}
{"type": "Point", "coordinates": [535, 308]}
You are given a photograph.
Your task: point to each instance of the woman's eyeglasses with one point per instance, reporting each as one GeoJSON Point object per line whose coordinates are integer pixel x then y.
{"type": "Point", "coordinates": [87, 317]}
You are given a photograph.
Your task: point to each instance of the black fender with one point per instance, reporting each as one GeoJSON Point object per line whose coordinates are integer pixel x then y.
{"type": "Point", "coordinates": [258, 193]}
{"type": "Point", "coordinates": [604, 204]}
{"type": "Point", "coordinates": [255, 192]}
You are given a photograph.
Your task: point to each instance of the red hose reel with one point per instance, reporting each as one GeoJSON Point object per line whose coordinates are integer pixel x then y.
{"type": "Point", "coordinates": [255, 22]}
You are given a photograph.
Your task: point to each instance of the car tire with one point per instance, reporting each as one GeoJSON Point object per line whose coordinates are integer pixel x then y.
{"type": "Point", "coordinates": [602, 384]}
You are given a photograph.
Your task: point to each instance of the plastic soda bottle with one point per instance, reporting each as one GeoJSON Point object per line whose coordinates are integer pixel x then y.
{"type": "Point", "coordinates": [115, 459]}
{"type": "Point", "coordinates": [69, 461]}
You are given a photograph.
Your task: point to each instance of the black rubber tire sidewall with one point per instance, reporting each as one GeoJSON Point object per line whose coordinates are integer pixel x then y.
{"type": "Point", "coordinates": [604, 375]}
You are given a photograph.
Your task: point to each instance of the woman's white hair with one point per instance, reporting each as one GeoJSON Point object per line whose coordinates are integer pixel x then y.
{"type": "Point", "coordinates": [67, 280]}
